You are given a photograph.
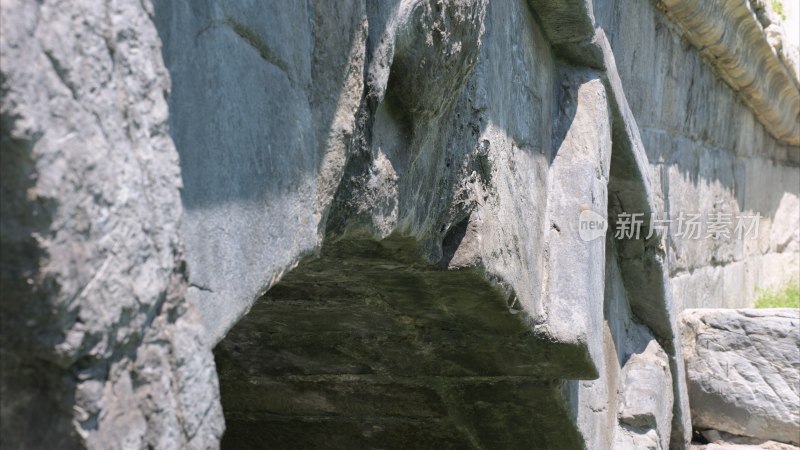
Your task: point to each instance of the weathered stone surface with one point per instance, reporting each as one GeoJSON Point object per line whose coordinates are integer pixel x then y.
{"type": "Point", "coordinates": [641, 259]}
{"type": "Point", "coordinates": [574, 289]}
{"type": "Point", "coordinates": [719, 440]}
{"type": "Point", "coordinates": [743, 370]}
{"type": "Point", "coordinates": [475, 133]}
{"type": "Point", "coordinates": [699, 163]}
{"type": "Point", "coordinates": [598, 404]}
{"type": "Point", "coordinates": [371, 337]}
{"type": "Point", "coordinates": [99, 348]}
{"type": "Point", "coordinates": [262, 110]}
{"type": "Point", "coordinates": [455, 176]}
{"type": "Point", "coordinates": [730, 35]}
{"type": "Point", "coordinates": [645, 412]}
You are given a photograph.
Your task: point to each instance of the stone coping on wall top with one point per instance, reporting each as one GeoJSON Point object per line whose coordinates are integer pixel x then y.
{"type": "Point", "coordinates": [750, 54]}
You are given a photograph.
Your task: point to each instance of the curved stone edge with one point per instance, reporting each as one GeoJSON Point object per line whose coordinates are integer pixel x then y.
{"type": "Point", "coordinates": [730, 36]}
{"type": "Point", "coordinates": [776, 30]}
{"type": "Point", "coordinates": [645, 268]}
{"type": "Point", "coordinates": [642, 261]}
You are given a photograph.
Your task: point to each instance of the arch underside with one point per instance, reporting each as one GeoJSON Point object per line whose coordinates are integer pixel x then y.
{"type": "Point", "coordinates": [368, 346]}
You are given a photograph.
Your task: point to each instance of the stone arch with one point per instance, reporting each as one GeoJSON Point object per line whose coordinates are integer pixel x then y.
{"type": "Point", "coordinates": [370, 346]}
{"type": "Point", "coordinates": [409, 167]}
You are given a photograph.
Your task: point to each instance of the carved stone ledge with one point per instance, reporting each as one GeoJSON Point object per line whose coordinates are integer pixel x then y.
{"type": "Point", "coordinates": [729, 35]}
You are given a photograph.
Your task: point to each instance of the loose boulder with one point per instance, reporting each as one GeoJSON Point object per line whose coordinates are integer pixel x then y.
{"type": "Point", "coordinates": [743, 371]}
{"type": "Point", "coordinates": [645, 410]}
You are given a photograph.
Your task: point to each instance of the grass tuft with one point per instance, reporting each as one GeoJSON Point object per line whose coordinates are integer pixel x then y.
{"type": "Point", "coordinates": [788, 297]}
{"type": "Point", "coordinates": [777, 6]}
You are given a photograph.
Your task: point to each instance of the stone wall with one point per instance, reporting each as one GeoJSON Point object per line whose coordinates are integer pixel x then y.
{"type": "Point", "coordinates": [472, 134]}
{"type": "Point", "coordinates": [698, 162]}
{"type": "Point", "coordinates": [708, 152]}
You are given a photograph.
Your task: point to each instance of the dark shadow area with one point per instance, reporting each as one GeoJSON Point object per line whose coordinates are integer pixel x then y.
{"type": "Point", "coordinates": [370, 347]}
{"type": "Point", "coordinates": [452, 239]}
{"type": "Point", "coordinates": [36, 394]}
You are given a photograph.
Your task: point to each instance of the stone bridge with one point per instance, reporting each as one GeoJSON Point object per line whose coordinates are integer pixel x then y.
{"type": "Point", "coordinates": [358, 224]}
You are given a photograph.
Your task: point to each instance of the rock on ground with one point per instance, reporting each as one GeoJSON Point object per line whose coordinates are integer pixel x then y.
{"type": "Point", "coordinates": [645, 412]}
{"type": "Point", "coordinates": [720, 440]}
{"type": "Point", "coordinates": [763, 445]}
{"type": "Point", "coordinates": [743, 371]}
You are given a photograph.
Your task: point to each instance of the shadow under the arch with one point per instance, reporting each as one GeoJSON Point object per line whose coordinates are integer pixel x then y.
{"type": "Point", "coordinates": [368, 346]}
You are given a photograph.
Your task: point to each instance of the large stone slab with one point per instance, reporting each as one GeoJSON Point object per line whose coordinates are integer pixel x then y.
{"type": "Point", "coordinates": [743, 371]}
{"type": "Point", "coordinates": [98, 346]}
{"type": "Point", "coordinates": [262, 108]}
{"type": "Point", "coordinates": [645, 411]}
{"type": "Point", "coordinates": [719, 440]}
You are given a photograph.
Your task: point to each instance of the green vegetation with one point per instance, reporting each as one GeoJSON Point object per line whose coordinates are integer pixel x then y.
{"type": "Point", "coordinates": [788, 297]}
{"type": "Point", "coordinates": [777, 6]}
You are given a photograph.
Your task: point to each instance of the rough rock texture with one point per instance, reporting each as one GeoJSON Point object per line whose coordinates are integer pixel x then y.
{"type": "Point", "coordinates": [645, 412]}
{"type": "Point", "coordinates": [726, 441]}
{"type": "Point", "coordinates": [263, 104]}
{"type": "Point", "coordinates": [743, 370]}
{"type": "Point", "coordinates": [491, 175]}
{"type": "Point", "coordinates": [731, 36]}
{"type": "Point", "coordinates": [98, 347]}
{"type": "Point", "coordinates": [630, 405]}
{"type": "Point", "coordinates": [699, 163]}
{"type": "Point", "coordinates": [392, 352]}
{"type": "Point", "coordinates": [466, 137]}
